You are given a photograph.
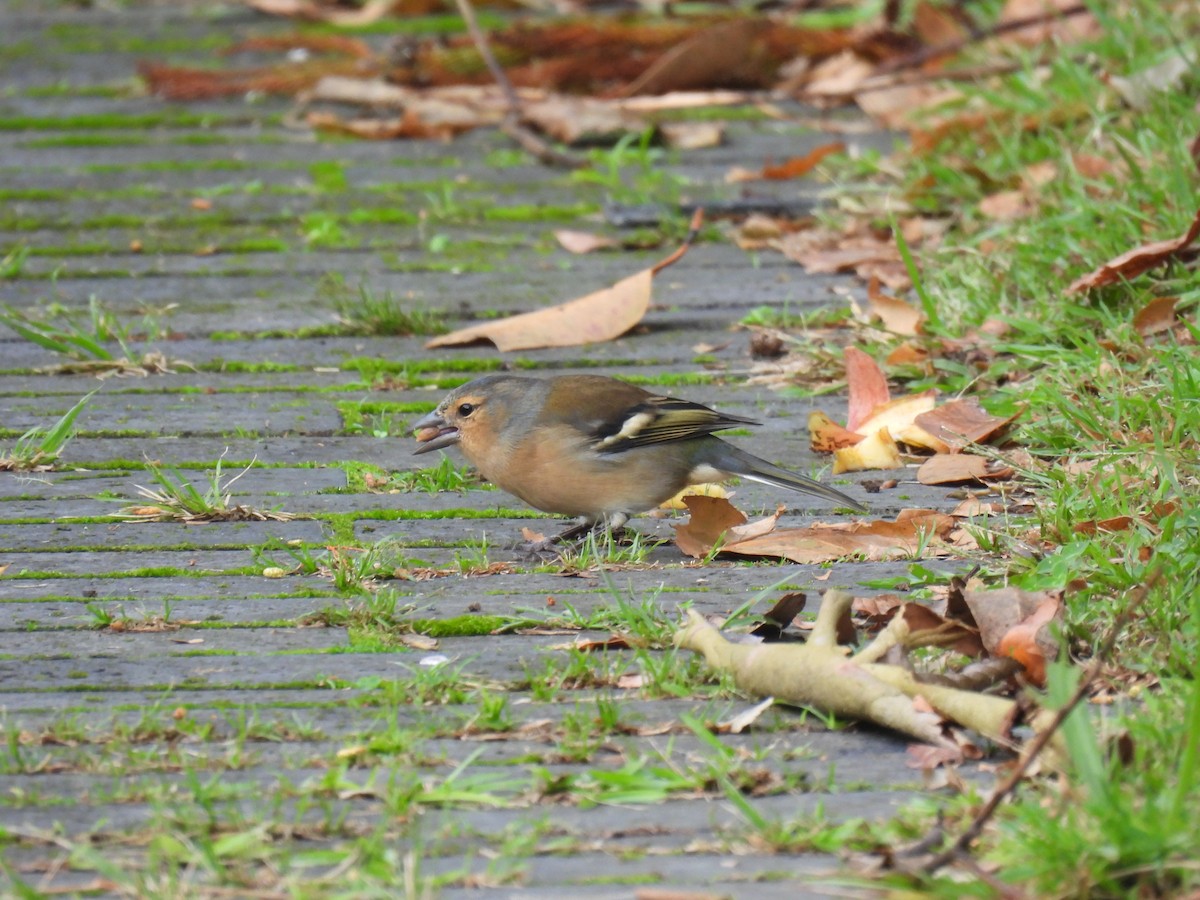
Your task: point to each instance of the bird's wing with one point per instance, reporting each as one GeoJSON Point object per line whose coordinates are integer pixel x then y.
{"type": "Point", "coordinates": [656, 420]}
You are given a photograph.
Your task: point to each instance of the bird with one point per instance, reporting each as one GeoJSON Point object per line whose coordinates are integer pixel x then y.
{"type": "Point", "coordinates": [595, 447]}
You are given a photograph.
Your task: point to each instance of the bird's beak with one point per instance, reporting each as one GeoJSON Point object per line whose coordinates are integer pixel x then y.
{"type": "Point", "coordinates": [434, 432]}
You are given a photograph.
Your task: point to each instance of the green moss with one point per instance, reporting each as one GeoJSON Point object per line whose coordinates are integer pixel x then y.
{"type": "Point", "coordinates": [64, 89]}
{"type": "Point", "coordinates": [433, 25]}
{"type": "Point", "coordinates": [171, 119]}
{"type": "Point", "coordinates": [461, 626]}
{"type": "Point", "coordinates": [235, 365]}
{"type": "Point", "coordinates": [540, 212]}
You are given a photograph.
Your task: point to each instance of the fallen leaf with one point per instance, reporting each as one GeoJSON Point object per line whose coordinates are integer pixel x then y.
{"type": "Point", "coordinates": [1156, 316]}
{"type": "Point", "coordinates": [726, 54]}
{"type": "Point", "coordinates": [954, 468]}
{"type": "Point", "coordinates": [896, 315]}
{"type": "Point", "coordinates": [826, 435]}
{"type": "Point", "coordinates": [909, 354]}
{"type": "Point", "coordinates": [867, 386]}
{"type": "Point", "coordinates": [577, 121]}
{"type": "Point", "coordinates": [876, 451]}
{"type": "Point", "coordinates": [1059, 22]}
{"type": "Point", "coordinates": [899, 417]}
{"type": "Point", "coordinates": [927, 628]}
{"type": "Point", "coordinates": [1138, 90]}
{"type": "Point", "coordinates": [780, 616]}
{"type": "Point", "coordinates": [368, 13]}
{"type": "Point", "coordinates": [796, 167]}
{"type": "Point", "coordinates": [744, 719]}
{"type": "Point", "coordinates": [1005, 206]}
{"type": "Point", "coordinates": [996, 612]}
{"type": "Point", "coordinates": [714, 522]}
{"type": "Point", "coordinates": [601, 316]}
{"type": "Point", "coordinates": [708, 489]}
{"type": "Point", "coordinates": [583, 241]}
{"type": "Point", "coordinates": [758, 231]}
{"type": "Point", "coordinates": [962, 422]}
{"type": "Point", "coordinates": [1134, 262]}
{"type": "Point", "coordinates": [692, 135]}
{"type": "Point", "coordinates": [1030, 643]}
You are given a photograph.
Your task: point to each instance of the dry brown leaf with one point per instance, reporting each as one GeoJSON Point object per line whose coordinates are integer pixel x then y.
{"type": "Point", "coordinates": [963, 422]}
{"type": "Point", "coordinates": [826, 435]}
{"type": "Point", "coordinates": [1005, 206]}
{"type": "Point", "coordinates": [370, 12]}
{"type": "Point", "coordinates": [996, 612]}
{"type": "Point", "coordinates": [744, 719]}
{"type": "Point", "coordinates": [867, 386]}
{"type": "Point", "coordinates": [1030, 642]}
{"type": "Point", "coordinates": [1134, 262]}
{"type": "Point", "coordinates": [583, 241]}
{"type": "Point", "coordinates": [876, 451]}
{"type": "Point", "coordinates": [720, 55]}
{"type": "Point", "coordinates": [909, 354]}
{"type": "Point", "coordinates": [1124, 523]}
{"type": "Point", "coordinates": [899, 417]}
{"type": "Point", "coordinates": [712, 520]}
{"type": "Point", "coordinates": [927, 628]}
{"type": "Point", "coordinates": [878, 609]}
{"type": "Point", "coordinates": [897, 316]}
{"type": "Point", "coordinates": [796, 167]}
{"type": "Point", "coordinates": [973, 506]}
{"type": "Point", "coordinates": [903, 105]}
{"type": "Point", "coordinates": [600, 316]}
{"type": "Point", "coordinates": [837, 78]}
{"type": "Point", "coordinates": [1156, 316]}
{"type": "Point", "coordinates": [582, 120]}
{"type": "Point", "coordinates": [954, 468]}
{"type": "Point", "coordinates": [409, 126]}
{"type": "Point", "coordinates": [1057, 29]}
{"type": "Point", "coordinates": [692, 135]}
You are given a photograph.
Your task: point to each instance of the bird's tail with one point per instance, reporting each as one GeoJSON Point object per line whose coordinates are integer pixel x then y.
{"type": "Point", "coordinates": [748, 466]}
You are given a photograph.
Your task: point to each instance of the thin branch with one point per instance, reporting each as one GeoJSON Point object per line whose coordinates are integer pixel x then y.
{"type": "Point", "coordinates": [925, 54]}
{"type": "Point", "coordinates": [513, 124]}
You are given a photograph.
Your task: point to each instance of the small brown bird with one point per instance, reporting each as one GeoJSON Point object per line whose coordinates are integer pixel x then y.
{"type": "Point", "coordinates": [595, 447]}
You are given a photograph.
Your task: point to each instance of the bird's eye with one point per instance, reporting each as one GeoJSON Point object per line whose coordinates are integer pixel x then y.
{"type": "Point", "coordinates": [465, 409]}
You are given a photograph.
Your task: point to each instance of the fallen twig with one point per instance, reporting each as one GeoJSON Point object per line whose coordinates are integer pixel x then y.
{"type": "Point", "coordinates": [513, 124]}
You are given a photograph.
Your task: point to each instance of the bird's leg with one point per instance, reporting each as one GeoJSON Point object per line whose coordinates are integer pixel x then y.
{"type": "Point", "coordinates": [548, 546]}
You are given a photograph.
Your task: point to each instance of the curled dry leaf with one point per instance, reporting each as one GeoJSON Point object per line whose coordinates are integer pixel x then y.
{"type": "Point", "coordinates": [796, 167]}
{"type": "Point", "coordinates": [955, 468]}
{"type": "Point", "coordinates": [708, 489]}
{"type": "Point", "coordinates": [899, 418]}
{"type": "Point", "coordinates": [692, 135]}
{"type": "Point", "coordinates": [1156, 316]}
{"type": "Point", "coordinates": [826, 435]}
{"type": "Point", "coordinates": [997, 612]}
{"type": "Point", "coordinates": [600, 316]}
{"type": "Point", "coordinates": [716, 523]}
{"type": "Point", "coordinates": [583, 241]}
{"type": "Point", "coordinates": [1030, 644]}
{"type": "Point", "coordinates": [743, 720]}
{"type": "Point", "coordinates": [876, 451]}
{"type": "Point", "coordinates": [1136, 261]}
{"type": "Point", "coordinates": [867, 385]}
{"type": "Point", "coordinates": [896, 315]}
{"type": "Point", "coordinates": [961, 422]}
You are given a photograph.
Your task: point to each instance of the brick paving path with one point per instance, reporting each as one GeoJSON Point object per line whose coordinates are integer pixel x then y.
{"type": "Point", "coordinates": [303, 739]}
